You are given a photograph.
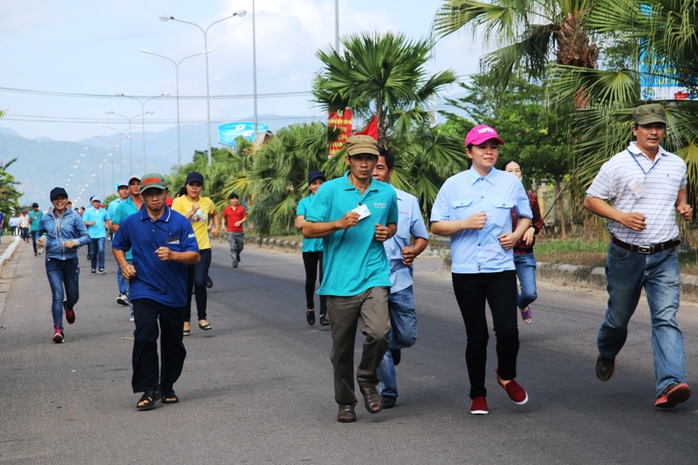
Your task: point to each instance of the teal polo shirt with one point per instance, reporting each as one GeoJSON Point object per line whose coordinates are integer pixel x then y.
{"type": "Point", "coordinates": [309, 245]}
{"type": "Point", "coordinates": [123, 211]}
{"type": "Point", "coordinates": [354, 261]}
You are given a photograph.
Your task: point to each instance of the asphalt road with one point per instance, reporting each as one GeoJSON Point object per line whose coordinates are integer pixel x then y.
{"type": "Point", "coordinates": [258, 388]}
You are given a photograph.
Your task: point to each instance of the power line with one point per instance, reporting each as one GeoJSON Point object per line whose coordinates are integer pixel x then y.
{"type": "Point", "coordinates": [181, 97]}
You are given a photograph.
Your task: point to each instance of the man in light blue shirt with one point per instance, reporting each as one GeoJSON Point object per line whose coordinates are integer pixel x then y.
{"type": "Point", "coordinates": [123, 191]}
{"type": "Point", "coordinates": [354, 215]}
{"type": "Point", "coordinates": [401, 254]}
{"type": "Point", "coordinates": [96, 221]}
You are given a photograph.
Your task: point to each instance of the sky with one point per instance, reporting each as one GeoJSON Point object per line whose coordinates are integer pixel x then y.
{"type": "Point", "coordinates": [63, 61]}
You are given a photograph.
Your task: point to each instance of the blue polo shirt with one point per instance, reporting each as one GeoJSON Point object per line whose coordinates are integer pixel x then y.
{"type": "Point", "coordinates": [124, 210]}
{"type": "Point", "coordinates": [410, 223]}
{"type": "Point", "coordinates": [309, 245]}
{"type": "Point", "coordinates": [97, 230]}
{"type": "Point", "coordinates": [162, 281]}
{"type": "Point", "coordinates": [466, 193]}
{"type": "Point", "coordinates": [354, 261]}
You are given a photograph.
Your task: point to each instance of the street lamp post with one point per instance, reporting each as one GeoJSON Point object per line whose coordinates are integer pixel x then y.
{"type": "Point", "coordinates": [176, 65]}
{"type": "Point", "coordinates": [143, 102]}
{"type": "Point", "coordinates": [130, 147]}
{"type": "Point", "coordinates": [166, 18]}
{"type": "Point", "coordinates": [110, 155]}
{"type": "Point", "coordinates": [121, 159]}
{"type": "Point", "coordinates": [254, 69]}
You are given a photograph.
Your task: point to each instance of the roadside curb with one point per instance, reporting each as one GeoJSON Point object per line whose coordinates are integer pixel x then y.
{"type": "Point", "coordinates": [561, 274]}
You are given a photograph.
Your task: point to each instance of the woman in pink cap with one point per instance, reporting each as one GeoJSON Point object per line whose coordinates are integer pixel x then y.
{"type": "Point", "coordinates": [474, 207]}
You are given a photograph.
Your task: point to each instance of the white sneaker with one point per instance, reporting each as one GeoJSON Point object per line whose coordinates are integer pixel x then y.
{"type": "Point", "coordinates": [122, 299]}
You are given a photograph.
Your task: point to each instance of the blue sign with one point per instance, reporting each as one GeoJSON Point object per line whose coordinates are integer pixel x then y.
{"type": "Point", "coordinates": [228, 132]}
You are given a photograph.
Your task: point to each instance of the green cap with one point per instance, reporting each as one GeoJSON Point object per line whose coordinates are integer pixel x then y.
{"type": "Point", "coordinates": [648, 114]}
{"type": "Point", "coordinates": [153, 181]}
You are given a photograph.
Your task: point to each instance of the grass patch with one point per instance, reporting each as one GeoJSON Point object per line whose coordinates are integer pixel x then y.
{"type": "Point", "coordinates": [571, 251]}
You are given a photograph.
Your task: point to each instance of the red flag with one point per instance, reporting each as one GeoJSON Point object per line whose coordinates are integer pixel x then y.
{"type": "Point", "coordinates": [371, 129]}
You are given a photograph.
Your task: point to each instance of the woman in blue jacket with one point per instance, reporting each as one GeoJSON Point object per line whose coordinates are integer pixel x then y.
{"type": "Point", "coordinates": [65, 232]}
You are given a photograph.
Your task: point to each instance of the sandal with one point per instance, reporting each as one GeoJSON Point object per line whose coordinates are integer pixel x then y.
{"type": "Point", "coordinates": [170, 398]}
{"type": "Point", "coordinates": [187, 328]}
{"type": "Point", "coordinates": [147, 400]}
{"type": "Point", "coordinates": [526, 315]}
{"type": "Point", "coordinates": [204, 325]}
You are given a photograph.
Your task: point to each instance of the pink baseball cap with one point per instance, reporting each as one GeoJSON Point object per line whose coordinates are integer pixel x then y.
{"type": "Point", "coordinates": [480, 134]}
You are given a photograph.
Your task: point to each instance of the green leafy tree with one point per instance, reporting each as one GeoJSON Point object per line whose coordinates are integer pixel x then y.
{"type": "Point", "coordinates": [527, 32]}
{"type": "Point", "coordinates": [9, 195]}
{"type": "Point", "coordinates": [381, 74]}
{"type": "Point", "coordinates": [279, 172]}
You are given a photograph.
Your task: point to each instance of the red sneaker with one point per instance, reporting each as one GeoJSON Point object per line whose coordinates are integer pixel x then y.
{"type": "Point", "coordinates": [57, 336]}
{"type": "Point", "coordinates": [479, 406]}
{"type": "Point", "coordinates": [514, 390]}
{"type": "Point", "coordinates": [673, 394]}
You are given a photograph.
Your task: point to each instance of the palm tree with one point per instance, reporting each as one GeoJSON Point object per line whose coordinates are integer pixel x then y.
{"type": "Point", "coordinates": [278, 176]}
{"type": "Point", "coordinates": [665, 40]}
{"type": "Point", "coordinates": [381, 74]}
{"type": "Point", "coordinates": [527, 32]}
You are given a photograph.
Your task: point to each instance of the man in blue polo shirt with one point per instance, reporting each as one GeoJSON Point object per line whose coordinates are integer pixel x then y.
{"type": "Point", "coordinates": [354, 215]}
{"type": "Point", "coordinates": [95, 219]}
{"type": "Point", "coordinates": [163, 243]}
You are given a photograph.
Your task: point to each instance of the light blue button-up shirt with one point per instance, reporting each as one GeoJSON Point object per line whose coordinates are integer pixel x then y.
{"type": "Point", "coordinates": [467, 193]}
{"type": "Point", "coordinates": [410, 223]}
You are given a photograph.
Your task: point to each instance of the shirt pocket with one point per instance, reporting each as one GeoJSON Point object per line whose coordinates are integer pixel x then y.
{"type": "Point", "coordinates": [501, 212]}
{"type": "Point", "coordinates": [460, 209]}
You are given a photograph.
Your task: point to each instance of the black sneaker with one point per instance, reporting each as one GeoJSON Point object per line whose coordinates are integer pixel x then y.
{"type": "Point", "coordinates": [605, 367]}
{"type": "Point", "coordinates": [93, 272]}
{"type": "Point", "coordinates": [397, 356]}
{"type": "Point", "coordinates": [122, 299]}
{"type": "Point", "coordinates": [323, 320]}
{"type": "Point", "coordinates": [209, 282]}
{"type": "Point", "coordinates": [673, 394]}
{"type": "Point", "coordinates": [389, 401]}
{"type": "Point", "coordinates": [101, 271]}
{"type": "Point", "coordinates": [69, 313]}
{"type": "Point", "coordinates": [310, 317]}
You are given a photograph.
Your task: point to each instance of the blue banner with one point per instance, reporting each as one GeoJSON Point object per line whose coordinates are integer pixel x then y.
{"type": "Point", "coordinates": [228, 132]}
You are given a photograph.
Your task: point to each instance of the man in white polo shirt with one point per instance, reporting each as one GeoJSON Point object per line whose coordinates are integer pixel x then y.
{"type": "Point", "coordinates": [646, 186]}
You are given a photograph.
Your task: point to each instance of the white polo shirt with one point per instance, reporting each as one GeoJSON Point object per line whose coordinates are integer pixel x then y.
{"type": "Point", "coordinates": [633, 183]}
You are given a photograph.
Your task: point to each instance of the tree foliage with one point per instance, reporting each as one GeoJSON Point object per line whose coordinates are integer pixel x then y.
{"type": "Point", "coordinates": [381, 74]}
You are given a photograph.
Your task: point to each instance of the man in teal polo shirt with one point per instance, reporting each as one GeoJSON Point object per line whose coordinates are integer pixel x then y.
{"type": "Point", "coordinates": [354, 215]}
{"type": "Point", "coordinates": [126, 208]}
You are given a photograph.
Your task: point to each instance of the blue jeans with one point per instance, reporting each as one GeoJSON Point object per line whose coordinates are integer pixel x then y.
{"type": "Point", "coordinates": [403, 319]}
{"type": "Point", "coordinates": [196, 280]}
{"type": "Point", "coordinates": [526, 272]}
{"type": "Point", "coordinates": [97, 252]}
{"type": "Point", "coordinates": [62, 273]}
{"type": "Point", "coordinates": [626, 274]}
{"type": "Point", "coordinates": [120, 281]}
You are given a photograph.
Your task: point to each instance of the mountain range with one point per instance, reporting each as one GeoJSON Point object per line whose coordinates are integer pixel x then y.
{"type": "Point", "coordinates": [44, 163]}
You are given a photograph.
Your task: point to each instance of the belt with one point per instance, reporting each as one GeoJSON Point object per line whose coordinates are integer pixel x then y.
{"type": "Point", "coordinates": [646, 249]}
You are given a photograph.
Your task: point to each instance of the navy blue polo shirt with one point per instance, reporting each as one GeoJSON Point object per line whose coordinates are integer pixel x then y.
{"type": "Point", "coordinates": [162, 281]}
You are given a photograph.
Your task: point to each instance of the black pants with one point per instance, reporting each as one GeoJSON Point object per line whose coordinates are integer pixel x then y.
{"type": "Point", "coordinates": [146, 375]}
{"type": "Point", "coordinates": [313, 266]}
{"type": "Point", "coordinates": [499, 290]}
